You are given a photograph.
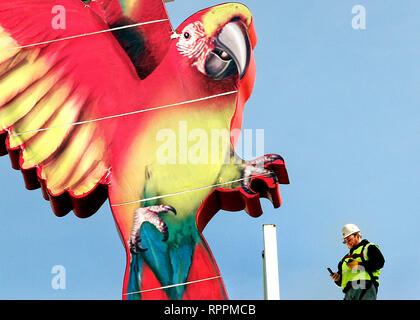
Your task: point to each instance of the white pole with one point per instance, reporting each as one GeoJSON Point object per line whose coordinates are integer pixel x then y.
{"type": "Point", "coordinates": [270, 263]}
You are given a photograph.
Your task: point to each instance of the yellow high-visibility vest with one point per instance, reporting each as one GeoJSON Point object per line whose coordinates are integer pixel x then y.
{"type": "Point", "coordinates": [359, 273]}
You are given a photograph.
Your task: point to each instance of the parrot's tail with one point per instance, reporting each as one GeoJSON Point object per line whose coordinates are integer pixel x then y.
{"type": "Point", "coordinates": [203, 282]}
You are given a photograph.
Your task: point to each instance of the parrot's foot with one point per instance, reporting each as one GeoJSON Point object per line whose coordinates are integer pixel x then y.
{"type": "Point", "coordinates": [260, 168]}
{"type": "Point", "coordinates": [151, 215]}
{"type": "Point", "coordinates": [260, 178]}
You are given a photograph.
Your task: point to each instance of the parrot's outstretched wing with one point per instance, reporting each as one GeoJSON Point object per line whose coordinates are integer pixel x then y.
{"type": "Point", "coordinates": [148, 42]}
{"type": "Point", "coordinates": [52, 93]}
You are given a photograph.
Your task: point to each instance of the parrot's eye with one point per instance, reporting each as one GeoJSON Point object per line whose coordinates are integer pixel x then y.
{"type": "Point", "coordinates": [186, 35]}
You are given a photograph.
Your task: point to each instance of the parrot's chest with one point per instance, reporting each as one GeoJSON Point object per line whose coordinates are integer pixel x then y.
{"type": "Point", "coordinates": [186, 161]}
{"type": "Point", "coordinates": [178, 151]}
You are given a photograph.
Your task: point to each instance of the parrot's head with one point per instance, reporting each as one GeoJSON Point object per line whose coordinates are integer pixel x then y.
{"type": "Point", "coordinates": [218, 41]}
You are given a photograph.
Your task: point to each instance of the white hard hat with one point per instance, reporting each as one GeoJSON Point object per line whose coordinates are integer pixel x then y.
{"type": "Point", "coordinates": [349, 229]}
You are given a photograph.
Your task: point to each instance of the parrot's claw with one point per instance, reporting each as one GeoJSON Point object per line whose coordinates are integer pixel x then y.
{"type": "Point", "coordinates": [257, 168]}
{"type": "Point", "coordinates": [151, 215]}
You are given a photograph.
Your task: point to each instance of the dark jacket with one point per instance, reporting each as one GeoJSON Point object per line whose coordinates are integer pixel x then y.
{"type": "Point", "coordinates": [374, 262]}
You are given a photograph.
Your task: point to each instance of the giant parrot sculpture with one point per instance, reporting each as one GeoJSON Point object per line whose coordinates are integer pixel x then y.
{"type": "Point", "coordinates": [88, 115]}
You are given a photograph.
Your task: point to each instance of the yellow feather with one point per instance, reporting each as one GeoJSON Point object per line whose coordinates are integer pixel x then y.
{"type": "Point", "coordinates": [129, 6]}
{"type": "Point", "coordinates": [18, 79]}
{"type": "Point", "coordinates": [46, 142]}
{"type": "Point", "coordinates": [95, 175]}
{"type": "Point", "coordinates": [92, 154]}
{"type": "Point", "coordinates": [24, 102]}
{"type": "Point", "coordinates": [221, 14]}
{"type": "Point", "coordinates": [61, 168]}
{"type": "Point", "coordinates": [7, 46]}
{"type": "Point", "coordinates": [39, 115]}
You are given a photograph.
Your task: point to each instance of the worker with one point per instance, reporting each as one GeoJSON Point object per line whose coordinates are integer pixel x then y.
{"type": "Point", "coordinates": [359, 270]}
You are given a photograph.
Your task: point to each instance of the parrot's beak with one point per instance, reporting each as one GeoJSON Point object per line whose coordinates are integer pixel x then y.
{"type": "Point", "coordinates": [232, 52]}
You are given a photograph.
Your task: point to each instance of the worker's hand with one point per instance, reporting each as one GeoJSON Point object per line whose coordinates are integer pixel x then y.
{"type": "Point", "coordinates": [352, 264]}
{"type": "Point", "coordinates": [335, 276]}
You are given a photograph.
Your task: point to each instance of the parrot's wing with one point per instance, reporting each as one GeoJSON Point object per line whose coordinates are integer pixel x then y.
{"type": "Point", "coordinates": [52, 93]}
{"type": "Point", "coordinates": [148, 42]}
{"type": "Point", "coordinates": [139, 10]}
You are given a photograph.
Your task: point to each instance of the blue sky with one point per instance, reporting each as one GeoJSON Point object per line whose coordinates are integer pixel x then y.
{"type": "Point", "coordinates": [340, 105]}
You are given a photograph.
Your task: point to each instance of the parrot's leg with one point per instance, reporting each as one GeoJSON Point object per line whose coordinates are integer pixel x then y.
{"type": "Point", "coordinates": [148, 214]}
